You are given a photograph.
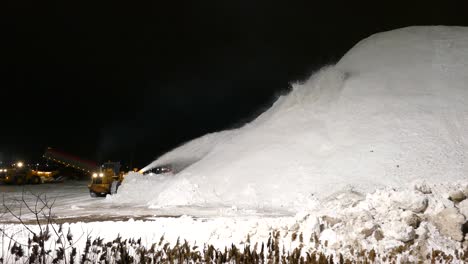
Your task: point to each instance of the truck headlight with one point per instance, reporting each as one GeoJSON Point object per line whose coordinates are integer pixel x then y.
{"type": "Point", "coordinates": [95, 175]}
{"type": "Point", "coordinates": [101, 175]}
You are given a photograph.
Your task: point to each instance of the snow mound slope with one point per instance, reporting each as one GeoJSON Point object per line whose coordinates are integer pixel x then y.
{"type": "Point", "coordinates": [393, 110]}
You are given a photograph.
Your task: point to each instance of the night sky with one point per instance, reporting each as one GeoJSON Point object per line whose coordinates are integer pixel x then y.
{"type": "Point", "coordinates": [129, 81]}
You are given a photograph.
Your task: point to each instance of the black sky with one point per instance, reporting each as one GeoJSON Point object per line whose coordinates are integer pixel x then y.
{"type": "Point", "coordinates": [131, 80]}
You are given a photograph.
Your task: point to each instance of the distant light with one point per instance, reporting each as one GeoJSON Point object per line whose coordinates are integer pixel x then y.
{"type": "Point", "coordinates": [19, 164]}
{"type": "Point", "coordinates": [95, 175]}
{"type": "Point", "coordinates": [101, 175]}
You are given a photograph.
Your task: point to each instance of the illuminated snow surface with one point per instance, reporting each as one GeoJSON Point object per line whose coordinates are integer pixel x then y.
{"type": "Point", "coordinates": [363, 155]}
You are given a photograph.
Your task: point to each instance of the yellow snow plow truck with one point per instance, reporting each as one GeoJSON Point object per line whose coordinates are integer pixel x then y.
{"type": "Point", "coordinates": [20, 174]}
{"type": "Point", "coordinates": [105, 179]}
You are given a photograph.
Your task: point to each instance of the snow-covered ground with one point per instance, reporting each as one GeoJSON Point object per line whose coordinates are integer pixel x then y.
{"type": "Point", "coordinates": [71, 201]}
{"type": "Point", "coordinates": [422, 218]}
{"type": "Point", "coordinates": [369, 153]}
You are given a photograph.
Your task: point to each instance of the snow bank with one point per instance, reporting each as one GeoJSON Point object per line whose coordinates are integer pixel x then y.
{"type": "Point", "coordinates": [391, 111]}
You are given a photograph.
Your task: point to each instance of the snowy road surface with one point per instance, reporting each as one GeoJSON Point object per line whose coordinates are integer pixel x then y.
{"type": "Point", "coordinates": [72, 203]}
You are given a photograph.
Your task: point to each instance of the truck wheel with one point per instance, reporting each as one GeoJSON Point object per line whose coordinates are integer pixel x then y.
{"type": "Point", "coordinates": [35, 180]}
{"type": "Point", "coordinates": [19, 180]}
{"type": "Point", "coordinates": [93, 194]}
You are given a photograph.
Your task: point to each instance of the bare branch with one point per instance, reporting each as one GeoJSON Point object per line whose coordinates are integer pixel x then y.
{"type": "Point", "coordinates": [17, 217]}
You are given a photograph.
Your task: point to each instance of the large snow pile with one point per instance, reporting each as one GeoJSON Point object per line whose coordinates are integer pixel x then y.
{"type": "Point", "coordinates": [393, 110]}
